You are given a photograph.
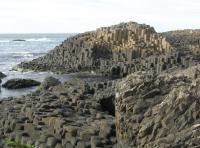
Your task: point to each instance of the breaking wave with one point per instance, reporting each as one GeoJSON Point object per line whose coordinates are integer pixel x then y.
{"type": "Point", "coordinates": [4, 41]}
{"type": "Point", "coordinates": [39, 40]}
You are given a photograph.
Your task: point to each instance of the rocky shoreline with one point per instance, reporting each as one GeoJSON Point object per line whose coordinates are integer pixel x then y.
{"type": "Point", "coordinates": [141, 110]}
{"type": "Point", "coordinates": [152, 99]}
{"type": "Point", "coordinates": [63, 115]}
{"type": "Point", "coordinates": [111, 51]}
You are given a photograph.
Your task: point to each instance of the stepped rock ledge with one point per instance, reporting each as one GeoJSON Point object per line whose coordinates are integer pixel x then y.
{"type": "Point", "coordinates": [112, 51]}
{"type": "Point", "coordinates": [152, 100]}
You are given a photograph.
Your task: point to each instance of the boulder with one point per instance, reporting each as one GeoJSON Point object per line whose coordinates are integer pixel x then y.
{"type": "Point", "coordinates": [19, 40]}
{"type": "Point", "coordinates": [49, 82]}
{"type": "Point", "coordinates": [20, 83]}
{"type": "Point", "coordinates": [2, 75]}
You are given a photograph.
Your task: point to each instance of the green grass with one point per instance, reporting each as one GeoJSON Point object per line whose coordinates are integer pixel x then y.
{"type": "Point", "coordinates": [14, 144]}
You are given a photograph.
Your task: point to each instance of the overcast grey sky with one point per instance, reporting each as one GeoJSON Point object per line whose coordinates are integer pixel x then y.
{"type": "Point", "coordinates": [58, 16]}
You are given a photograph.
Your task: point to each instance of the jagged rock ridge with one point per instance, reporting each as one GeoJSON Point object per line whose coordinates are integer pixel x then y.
{"type": "Point", "coordinates": [158, 111]}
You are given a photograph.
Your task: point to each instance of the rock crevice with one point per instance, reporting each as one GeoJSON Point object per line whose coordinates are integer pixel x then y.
{"type": "Point", "coordinates": [158, 110]}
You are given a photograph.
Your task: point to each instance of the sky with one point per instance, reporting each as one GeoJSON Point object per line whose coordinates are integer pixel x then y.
{"type": "Point", "coordinates": [73, 16]}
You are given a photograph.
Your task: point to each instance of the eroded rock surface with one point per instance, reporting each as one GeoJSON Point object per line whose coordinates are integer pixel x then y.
{"type": "Point", "coordinates": [63, 115]}
{"type": "Point", "coordinates": [156, 105]}
{"type": "Point", "coordinates": [158, 110]}
{"type": "Point", "coordinates": [48, 82]}
{"type": "Point", "coordinates": [184, 40]}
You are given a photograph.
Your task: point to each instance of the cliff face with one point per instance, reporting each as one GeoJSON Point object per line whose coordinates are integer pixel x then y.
{"type": "Point", "coordinates": [158, 111]}
{"type": "Point", "coordinates": [110, 50]}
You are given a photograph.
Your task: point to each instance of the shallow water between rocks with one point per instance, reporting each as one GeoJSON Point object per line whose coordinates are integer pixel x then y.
{"type": "Point", "coordinates": [35, 45]}
{"type": "Point", "coordinates": [40, 76]}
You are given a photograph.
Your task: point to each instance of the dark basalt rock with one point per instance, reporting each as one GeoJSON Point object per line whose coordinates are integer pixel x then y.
{"type": "Point", "coordinates": [156, 105]}
{"type": "Point", "coordinates": [66, 115]}
{"type": "Point", "coordinates": [49, 82]}
{"type": "Point", "coordinates": [19, 40]}
{"type": "Point", "coordinates": [110, 51]}
{"type": "Point", "coordinates": [105, 96]}
{"type": "Point", "coordinates": [158, 110]}
{"type": "Point", "coordinates": [2, 75]}
{"type": "Point", "coordinates": [20, 83]}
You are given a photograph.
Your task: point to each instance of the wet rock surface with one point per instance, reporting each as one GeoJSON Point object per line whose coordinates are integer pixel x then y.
{"type": "Point", "coordinates": [2, 75]}
{"type": "Point", "coordinates": [19, 40]}
{"type": "Point", "coordinates": [20, 83]}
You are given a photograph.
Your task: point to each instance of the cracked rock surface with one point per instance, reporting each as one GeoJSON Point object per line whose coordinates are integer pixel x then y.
{"type": "Point", "coordinates": [158, 110]}
{"type": "Point", "coordinates": [64, 115]}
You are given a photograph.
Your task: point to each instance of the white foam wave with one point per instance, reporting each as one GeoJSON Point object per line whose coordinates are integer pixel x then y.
{"type": "Point", "coordinates": [22, 54]}
{"type": "Point", "coordinates": [39, 40]}
{"type": "Point", "coordinates": [4, 41]}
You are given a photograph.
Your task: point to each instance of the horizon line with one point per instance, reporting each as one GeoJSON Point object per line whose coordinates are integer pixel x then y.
{"type": "Point", "coordinates": [180, 29]}
{"type": "Point", "coordinates": [39, 33]}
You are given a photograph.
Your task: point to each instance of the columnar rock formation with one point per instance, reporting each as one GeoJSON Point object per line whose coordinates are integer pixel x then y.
{"type": "Point", "coordinates": [158, 111]}
{"type": "Point", "coordinates": [108, 50]}
{"type": "Point", "coordinates": [184, 39]}
{"type": "Point", "coordinates": [156, 105]}
{"type": "Point", "coordinates": [58, 116]}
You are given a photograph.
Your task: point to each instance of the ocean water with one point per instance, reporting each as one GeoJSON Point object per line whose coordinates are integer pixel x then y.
{"type": "Point", "coordinates": [35, 45]}
{"type": "Point", "coordinates": [13, 52]}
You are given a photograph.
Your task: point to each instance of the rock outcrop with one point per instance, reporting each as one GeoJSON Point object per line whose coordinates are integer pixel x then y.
{"type": "Point", "coordinates": [19, 40]}
{"type": "Point", "coordinates": [184, 40]}
{"type": "Point", "coordinates": [63, 116]}
{"type": "Point", "coordinates": [142, 110]}
{"type": "Point", "coordinates": [2, 75]}
{"type": "Point", "coordinates": [49, 82]}
{"type": "Point", "coordinates": [20, 83]}
{"type": "Point", "coordinates": [156, 105]}
{"type": "Point", "coordinates": [159, 110]}
{"type": "Point", "coordinates": [116, 50]}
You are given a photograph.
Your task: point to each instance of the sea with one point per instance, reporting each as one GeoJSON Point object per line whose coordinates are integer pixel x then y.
{"type": "Point", "coordinates": [13, 52]}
